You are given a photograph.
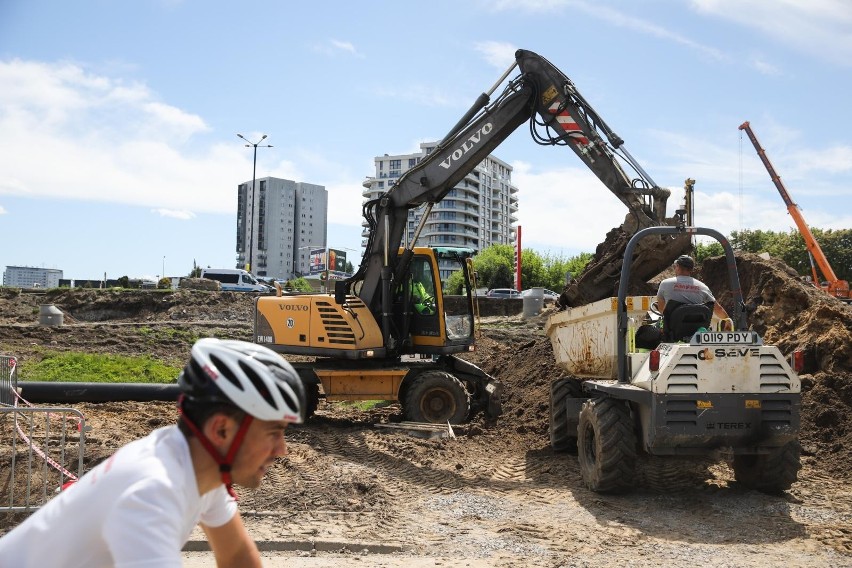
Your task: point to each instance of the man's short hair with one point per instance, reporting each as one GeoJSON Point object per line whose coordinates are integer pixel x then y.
{"type": "Point", "coordinates": [685, 261]}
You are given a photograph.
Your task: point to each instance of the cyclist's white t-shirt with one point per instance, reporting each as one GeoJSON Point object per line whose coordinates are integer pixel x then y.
{"type": "Point", "coordinates": [138, 508]}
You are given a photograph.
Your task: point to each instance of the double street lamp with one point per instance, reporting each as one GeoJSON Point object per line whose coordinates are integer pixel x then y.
{"type": "Point", "coordinates": [251, 203]}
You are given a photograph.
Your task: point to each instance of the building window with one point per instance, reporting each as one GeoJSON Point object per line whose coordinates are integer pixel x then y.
{"type": "Point", "coordinates": [395, 165]}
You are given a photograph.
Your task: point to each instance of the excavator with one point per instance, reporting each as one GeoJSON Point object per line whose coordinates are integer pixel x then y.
{"type": "Point", "coordinates": [835, 287]}
{"type": "Point", "coordinates": [372, 339]}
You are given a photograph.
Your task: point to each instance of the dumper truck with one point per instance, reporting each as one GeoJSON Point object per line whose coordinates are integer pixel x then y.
{"type": "Point", "coordinates": [711, 388]}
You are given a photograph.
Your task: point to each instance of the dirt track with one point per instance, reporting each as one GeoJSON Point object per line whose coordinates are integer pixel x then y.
{"type": "Point", "coordinates": [495, 495]}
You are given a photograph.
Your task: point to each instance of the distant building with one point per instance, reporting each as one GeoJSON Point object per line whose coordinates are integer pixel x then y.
{"type": "Point", "coordinates": [478, 212]}
{"type": "Point", "coordinates": [279, 225]}
{"type": "Point", "coordinates": [31, 277]}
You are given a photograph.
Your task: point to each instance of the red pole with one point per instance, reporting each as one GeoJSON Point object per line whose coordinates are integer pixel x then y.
{"type": "Point", "coordinates": [518, 259]}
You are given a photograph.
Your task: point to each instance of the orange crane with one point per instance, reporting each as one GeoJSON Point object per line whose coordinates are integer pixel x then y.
{"type": "Point", "coordinates": [836, 287]}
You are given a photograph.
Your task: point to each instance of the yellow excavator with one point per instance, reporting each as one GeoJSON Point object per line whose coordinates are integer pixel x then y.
{"type": "Point", "coordinates": [373, 338]}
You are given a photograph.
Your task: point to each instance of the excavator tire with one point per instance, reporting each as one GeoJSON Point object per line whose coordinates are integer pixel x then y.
{"type": "Point", "coordinates": [312, 398]}
{"type": "Point", "coordinates": [437, 397]}
{"type": "Point", "coordinates": [606, 446]}
{"type": "Point", "coordinates": [563, 438]}
{"type": "Point", "coordinates": [771, 473]}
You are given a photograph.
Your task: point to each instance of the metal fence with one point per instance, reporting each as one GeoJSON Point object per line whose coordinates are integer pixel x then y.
{"type": "Point", "coordinates": [8, 380]}
{"type": "Point", "coordinates": [41, 449]}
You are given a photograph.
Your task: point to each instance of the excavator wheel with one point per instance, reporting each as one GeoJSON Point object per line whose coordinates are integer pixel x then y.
{"type": "Point", "coordinates": [312, 398]}
{"type": "Point", "coordinates": [563, 438]}
{"type": "Point", "coordinates": [606, 446]}
{"type": "Point", "coordinates": [437, 397]}
{"type": "Point", "coordinates": [770, 473]}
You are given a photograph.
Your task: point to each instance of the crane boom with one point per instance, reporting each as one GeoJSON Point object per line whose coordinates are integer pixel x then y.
{"type": "Point", "coordinates": [836, 287]}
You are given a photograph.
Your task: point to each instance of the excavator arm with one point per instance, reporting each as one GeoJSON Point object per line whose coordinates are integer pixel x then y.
{"type": "Point", "coordinates": [558, 115]}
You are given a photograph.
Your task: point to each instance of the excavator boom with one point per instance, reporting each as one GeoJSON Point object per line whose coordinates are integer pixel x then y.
{"type": "Point", "coordinates": [558, 116]}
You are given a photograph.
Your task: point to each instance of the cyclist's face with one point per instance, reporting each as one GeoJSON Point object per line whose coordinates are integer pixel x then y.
{"type": "Point", "coordinates": [263, 443]}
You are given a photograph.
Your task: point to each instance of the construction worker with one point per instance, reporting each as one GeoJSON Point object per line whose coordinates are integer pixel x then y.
{"type": "Point", "coordinates": [424, 301]}
{"type": "Point", "coordinates": [682, 287]}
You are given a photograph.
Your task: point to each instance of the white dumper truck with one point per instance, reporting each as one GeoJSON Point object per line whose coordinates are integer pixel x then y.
{"type": "Point", "coordinates": [710, 388]}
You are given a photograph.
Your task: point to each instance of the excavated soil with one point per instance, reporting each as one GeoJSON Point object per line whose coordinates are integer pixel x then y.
{"type": "Point", "coordinates": [496, 494]}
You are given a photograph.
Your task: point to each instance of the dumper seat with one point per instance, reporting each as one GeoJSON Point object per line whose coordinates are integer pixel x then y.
{"type": "Point", "coordinates": [681, 320]}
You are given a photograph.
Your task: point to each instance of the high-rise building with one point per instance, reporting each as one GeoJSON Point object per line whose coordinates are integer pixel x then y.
{"type": "Point", "coordinates": [31, 277]}
{"type": "Point", "coordinates": [278, 225]}
{"type": "Point", "coordinates": [478, 212]}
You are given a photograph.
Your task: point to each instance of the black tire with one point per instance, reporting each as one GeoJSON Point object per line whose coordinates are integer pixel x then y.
{"type": "Point", "coordinates": [772, 473]}
{"type": "Point", "coordinates": [311, 398]}
{"type": "Point", "coordinates": [563, 438]}
{"type": "Point", "coordinates": [436, 397]}
{"type": "Point", "coordinates": [606, 446]}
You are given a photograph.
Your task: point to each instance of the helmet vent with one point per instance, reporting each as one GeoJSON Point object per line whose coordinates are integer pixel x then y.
{"type": "Point", "coordinates": [225, 370]}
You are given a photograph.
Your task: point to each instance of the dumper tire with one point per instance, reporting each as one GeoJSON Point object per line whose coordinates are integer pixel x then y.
{"type": "Point", "coordinates": [771, 473]}
{"type": "Point", "coordinates": [437, 397]}
{"type": "Point", "coordinates": [563, 438]}
{"type": "Point", "coordinates": [606, 446]}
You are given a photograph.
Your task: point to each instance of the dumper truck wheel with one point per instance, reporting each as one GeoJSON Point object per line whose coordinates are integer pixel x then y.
{"type": "Point", "coordinates": [437, 397]}
{"type": "Point", "coordinates": [563, 438]}
{"type": "Point", "coordinates": [606, 446]}
{"type": "Point", "coordinates": [773, 473]}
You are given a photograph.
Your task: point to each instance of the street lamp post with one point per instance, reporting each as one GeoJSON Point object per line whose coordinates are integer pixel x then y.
{"type": "Point", "coordinates": [250, 215]}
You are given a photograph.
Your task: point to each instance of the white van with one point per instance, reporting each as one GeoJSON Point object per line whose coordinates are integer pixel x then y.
{"type": "Point", "coordinates": [234, 280]}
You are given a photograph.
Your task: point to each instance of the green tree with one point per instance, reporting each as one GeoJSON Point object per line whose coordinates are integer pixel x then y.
{"type": "Point", "coordinates": [164, 283]}
{"type": "Point", "coordinates": [124, 282]}
{"type": "Point", "coordinates": [195, 272]}
{"type": "Point", "coordinates": [707, 250]}
{"type": "Point", "coordinates": [300, 284]}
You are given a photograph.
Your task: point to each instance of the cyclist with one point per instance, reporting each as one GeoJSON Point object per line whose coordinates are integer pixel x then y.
{"type": "Point", "coordinates": [139, 507]}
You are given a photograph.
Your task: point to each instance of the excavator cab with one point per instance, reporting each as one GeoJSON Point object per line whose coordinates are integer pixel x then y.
{"type": "Point", "coordinates": [434, 322]}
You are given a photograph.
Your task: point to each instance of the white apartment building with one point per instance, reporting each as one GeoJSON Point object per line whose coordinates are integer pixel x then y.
{"type": "Point", "coordinates": [278, 225]}
{"type": "Point", "coordinates": [478, 212]}
{"type": "Point", "coordinates": [31, 277]}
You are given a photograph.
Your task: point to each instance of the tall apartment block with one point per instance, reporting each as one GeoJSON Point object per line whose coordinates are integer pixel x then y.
{"type": "Point", "coordinates": [278, 225]}
{"type": "Point", "coordinates": [31, 277]}
{"type": "Point", "coordinates": [478, 212]}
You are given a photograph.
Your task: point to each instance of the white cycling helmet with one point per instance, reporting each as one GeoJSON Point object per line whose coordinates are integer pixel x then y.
{"type": "Point", "coordinates": [252, 377]}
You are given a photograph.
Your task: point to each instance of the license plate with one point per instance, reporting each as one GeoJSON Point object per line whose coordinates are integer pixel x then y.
{"type": "Point", "coordinates": [727, 337]}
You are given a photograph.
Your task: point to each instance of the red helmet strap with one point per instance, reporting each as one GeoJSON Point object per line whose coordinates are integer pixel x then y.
{"type": "Point", "coordinates": [225, 462]}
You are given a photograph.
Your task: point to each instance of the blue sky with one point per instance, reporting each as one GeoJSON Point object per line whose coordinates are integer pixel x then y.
{"type": "Point", "coordinates": [118, 119]}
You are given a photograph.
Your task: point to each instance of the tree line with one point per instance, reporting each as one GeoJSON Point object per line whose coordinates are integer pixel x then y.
{"type": "Point", "coordinates": [494, 266]}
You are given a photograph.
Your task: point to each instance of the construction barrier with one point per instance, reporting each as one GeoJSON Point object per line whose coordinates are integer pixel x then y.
{"type": "Point", "coordinates": [41, 450]}
{"type": "Point", "coordinates": [8, 380]}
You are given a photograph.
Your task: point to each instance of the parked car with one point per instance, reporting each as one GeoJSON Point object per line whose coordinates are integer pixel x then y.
{"type": "Point", "coordinates": [549, 295]}
{"type": "Point", "coordinates": [503, 293]}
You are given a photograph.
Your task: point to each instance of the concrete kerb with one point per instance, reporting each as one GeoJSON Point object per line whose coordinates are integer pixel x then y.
{"type": "Point", "coordinates": [307, 546]}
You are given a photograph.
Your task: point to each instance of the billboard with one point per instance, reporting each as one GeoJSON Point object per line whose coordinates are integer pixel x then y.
{"type": "Point", "coordinates": [316, 262]}
{"type": "Point", "coordinates": [336, 260]}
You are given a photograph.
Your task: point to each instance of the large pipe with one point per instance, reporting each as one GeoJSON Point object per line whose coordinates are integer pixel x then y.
{"type": "Point", "coordinates": [96, 392]}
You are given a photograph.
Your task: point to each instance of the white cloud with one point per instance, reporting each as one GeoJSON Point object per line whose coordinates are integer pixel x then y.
{"type": "Point", "coordinates": [69, 134]}
{"type": "Point", "coordinates": [564, 209]}
{"type": "Point", "coordinates": [333, 47]}
{"type": "Point", "coordinates": [822, 28]}
{"type": "Point", "coordinates": [499, 54]}
{"type": "Point", "coordinates": [2, 210]}
{"type": "Point", "coordinates": [183, 215]}
{"type": "Point", "coordinates": [612, 16]}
